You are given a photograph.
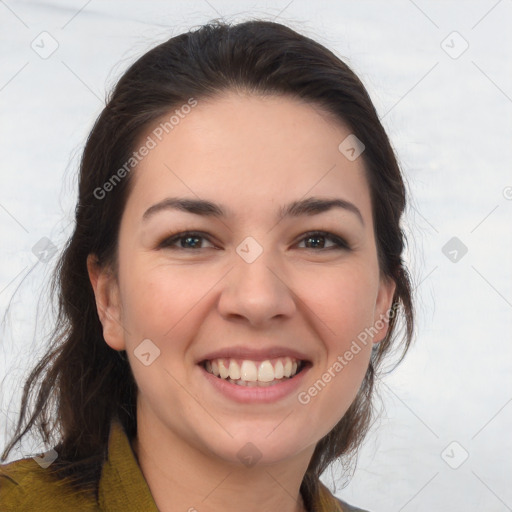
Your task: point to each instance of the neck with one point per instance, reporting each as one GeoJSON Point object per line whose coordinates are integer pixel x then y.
{"type": "Point", "coordinates": [182, 477]}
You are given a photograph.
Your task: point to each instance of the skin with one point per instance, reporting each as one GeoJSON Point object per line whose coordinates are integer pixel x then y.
{"type": "Point", "coordinates": [252, 154]}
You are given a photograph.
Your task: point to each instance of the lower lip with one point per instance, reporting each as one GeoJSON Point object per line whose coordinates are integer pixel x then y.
{"type": "Point", "coordinates": [245, 395]}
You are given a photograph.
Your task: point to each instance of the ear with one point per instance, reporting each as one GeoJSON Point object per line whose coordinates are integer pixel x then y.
{"type": "Point", "coordinates": [387, 287]}
{"type": "Point", "coordinates": [106, 292]}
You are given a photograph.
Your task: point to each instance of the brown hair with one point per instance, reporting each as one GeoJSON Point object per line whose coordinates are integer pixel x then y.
{"type": "Point", "coordinates": [81, 378]}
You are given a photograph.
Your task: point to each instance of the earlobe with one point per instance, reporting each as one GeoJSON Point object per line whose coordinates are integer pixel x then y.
{"type": "Point", "coordinates": [108, 305]}
{"type": "Point", "coordinates": [383, 305]}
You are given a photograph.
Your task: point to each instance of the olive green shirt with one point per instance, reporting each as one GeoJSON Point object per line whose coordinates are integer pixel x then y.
{"type": "Point", "coordinates": [25, 486]}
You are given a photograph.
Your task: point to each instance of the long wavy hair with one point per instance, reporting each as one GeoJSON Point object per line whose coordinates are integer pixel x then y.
{"type": "Point", "coordinates": [81, 384]}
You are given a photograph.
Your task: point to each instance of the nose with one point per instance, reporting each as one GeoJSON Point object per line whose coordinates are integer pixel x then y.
{"type": "Point", "coordinates": [257, 292]}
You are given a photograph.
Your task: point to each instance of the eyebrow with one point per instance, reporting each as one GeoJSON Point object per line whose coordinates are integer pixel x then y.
{"type": "Point", "coordinates": [309, 206]}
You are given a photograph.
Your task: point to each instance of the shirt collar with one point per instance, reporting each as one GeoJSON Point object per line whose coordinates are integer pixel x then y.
{"type": "Point", "coordinates": [123, 485]}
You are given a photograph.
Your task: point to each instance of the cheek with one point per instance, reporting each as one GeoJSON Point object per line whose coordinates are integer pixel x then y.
{"type": "Point", "coordinates": [343, 300]}
{"type": "Point", "coordinates": [350, 316]}
{"type": "Point", "coordinates": [161, 303]}
{"type": "Point", "coordinates": [344, 305]}
{"type": "Point", "coordinates": [157, 299]}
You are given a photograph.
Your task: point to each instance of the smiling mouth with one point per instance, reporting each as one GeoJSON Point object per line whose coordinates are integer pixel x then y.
{"type": "Point", "coordinates": [249, 373]}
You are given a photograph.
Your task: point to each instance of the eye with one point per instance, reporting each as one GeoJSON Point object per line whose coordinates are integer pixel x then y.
{"type": "Point", "coordinates": [187, 240]}
{"type": "Point", "coordinates": [192, 240]}
{"type": "Point", "coordinates": [316, 240]}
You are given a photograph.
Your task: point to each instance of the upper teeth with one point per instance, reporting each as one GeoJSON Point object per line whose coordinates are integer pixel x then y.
{"type": "Point", "coordinates": [252, 371]}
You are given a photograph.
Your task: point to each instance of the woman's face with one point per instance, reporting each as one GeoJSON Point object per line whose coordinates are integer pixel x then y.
{"type": "Point", "coordinates": [244, 288]}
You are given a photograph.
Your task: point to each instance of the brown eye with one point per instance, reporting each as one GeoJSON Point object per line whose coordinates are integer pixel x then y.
{"type": "Point", "coordinates": [317, 240]}
{"type": "Point", "coordinates": [186, 240]}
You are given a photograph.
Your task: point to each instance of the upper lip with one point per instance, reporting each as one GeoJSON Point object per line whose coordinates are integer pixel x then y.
{"type": "Point", "coordinates": [240, 352]}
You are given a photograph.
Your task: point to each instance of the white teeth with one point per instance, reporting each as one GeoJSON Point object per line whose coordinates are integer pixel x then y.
{"type": "Point", "coordinates": [241, 382]}
{"type": "Point", "coordinates": [266, 372]}
{"type": "Point", "coordinates": [223, 371]}
{"type": "Point", "coordinates": [253, 373]}
{"type": "Point", "coordinates": [234, 370]}
{"type": "Point", "coordinates": [288, 367]}
{"type": "Point", "coordinates": [279, 370]}
{"type": "Point", "coordinates": [248, 371]}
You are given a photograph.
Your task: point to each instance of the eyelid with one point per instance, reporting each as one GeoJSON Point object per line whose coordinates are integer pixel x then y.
{"type": "Point", "coordinates": [170, 240]}
{"type": "Point", "coordinates": [340, 242]}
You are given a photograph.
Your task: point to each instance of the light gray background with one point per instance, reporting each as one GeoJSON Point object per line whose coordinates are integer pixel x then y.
{"type": "Point", "coordinates": [449, 116]}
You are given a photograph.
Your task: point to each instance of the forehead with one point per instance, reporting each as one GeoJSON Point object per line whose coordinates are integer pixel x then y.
{"type": "Point", "coordinates": [248, 151]}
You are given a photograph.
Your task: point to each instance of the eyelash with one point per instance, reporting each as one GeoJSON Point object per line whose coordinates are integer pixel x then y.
{"type": "Point", "coordinates": [168, 242]}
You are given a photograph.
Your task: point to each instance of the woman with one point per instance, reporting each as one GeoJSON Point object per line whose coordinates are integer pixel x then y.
{"type": "Point", "coordinates": [229, 291]}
